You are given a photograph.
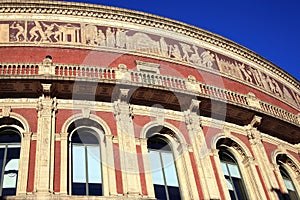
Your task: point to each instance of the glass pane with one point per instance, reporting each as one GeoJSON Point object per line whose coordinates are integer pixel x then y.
{"type": "Point", "coordinates": [94, 168]}
{"type": "Point", "coordinates": [174, 193]}
{"type": "Point", "coordinates": [160, 192]}
{"type": "Point", "coordinates": [11, 168]}
{"type": "Point", "coordinates": [11, 174]}
{"type": "Point", "coordinates": [156, 168]}
{"type": "Point", "coordinates": [234, 170]}
{"type": "Point", "coordinates": [78, 164]}
{"type": "Point", "coordinates": [79, 188]}
{"type": "Point", "coordinates": [229, 183]}
{"type": "Point", "coordinates": [95, 189]}
{"type": "Point", "coordinates": [289, 185]}
{"type": "Point", "coordinates": [224, 168]}
{"type": "Point", "coordinates": [239, 188]}
{"type": "Point", "coordinates": [169, 169]}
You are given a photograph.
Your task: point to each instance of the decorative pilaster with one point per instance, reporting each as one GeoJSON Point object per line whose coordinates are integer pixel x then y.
{"type": "Point", "coordinates": [109, 168]}
{"type": "Point", "coordinates": [45, 133]}
{"type": "Point", "coordinates": [202, 158]}
{"type": "Point", "coordinates": [127, 145]}
{"type": "Point", "coordinates": [147, 167]}
{"type": "Point", "coordinates": [261, 157]}
{"type": "Point", "coordinates": [24, 164]}
{"type": "Point", "coordinates": [64, 163]}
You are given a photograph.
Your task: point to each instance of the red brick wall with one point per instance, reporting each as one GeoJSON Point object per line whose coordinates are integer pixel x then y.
{"type": "Point", "coordinates": [30, 184]}
{"type": "Point", "coordinates": [30, 114]}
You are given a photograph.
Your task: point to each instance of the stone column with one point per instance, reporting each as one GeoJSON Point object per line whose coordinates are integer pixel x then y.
{"type": "Point", "coordinates": [45, 131]}
{"type": "Point", "coordinates": [110, 186]}
{"type": "Point", "coordinates": [224, 189]}
{"type": "Point", "coordinates": [147, 167]}
{"type": "Point", "coordinates": [24, 164]}
{"type": "Point", "coordinates": [127, 145]}
{"type": "Point", "coordinates": [201, 153]}
{"type": "Point", "coordinates": [266, 168]}
{"type": "Point", "coordinates": [64, 149]}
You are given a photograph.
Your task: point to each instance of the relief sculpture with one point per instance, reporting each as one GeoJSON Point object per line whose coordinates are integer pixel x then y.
{"type": "Point", "coordinates": [130, 40]}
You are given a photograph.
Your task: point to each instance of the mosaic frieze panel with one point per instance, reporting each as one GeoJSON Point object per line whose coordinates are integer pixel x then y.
{"type": "Point", "coordinates": [45, 32]}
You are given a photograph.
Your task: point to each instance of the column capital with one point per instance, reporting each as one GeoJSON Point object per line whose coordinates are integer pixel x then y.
{"type": "Point", "coordinates": [64, 135]}
{"type": "Point", "coordinates": [27, 135]}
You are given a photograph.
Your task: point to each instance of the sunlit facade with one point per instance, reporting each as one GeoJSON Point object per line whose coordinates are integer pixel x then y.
{"type": "Point", "coordinates": [107, 103]}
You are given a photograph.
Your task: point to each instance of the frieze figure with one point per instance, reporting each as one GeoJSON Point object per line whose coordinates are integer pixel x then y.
{"type": "Point", "coordinates": [207, 59]}
{"type": "Point", "coordinates": [195, 58]}
{"type": "Point", "coordinates": [110, 37]}
{"type": "Point", "coordinates": [20, 35]}
{"type": "Point", "coordinates": [36, 32]}
{"type": "Point", "coordinates": [49, 30]}
{"type": "Point", "coordinates": [164, 47]}
{"type": "Point", "coordinates": [90, 34]}
{"type": "Point", "coordinates": [120, 38]}
{"type": "Point", "coordinates": [245, 72]}
{"type": "Point", "coordinates": [175, 52]}
{"type": "Point", "coordinates": [186, 49]}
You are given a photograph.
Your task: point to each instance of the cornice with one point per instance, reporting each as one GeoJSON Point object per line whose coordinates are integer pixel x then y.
{"type": "Point", "coordinates": [141, 18]}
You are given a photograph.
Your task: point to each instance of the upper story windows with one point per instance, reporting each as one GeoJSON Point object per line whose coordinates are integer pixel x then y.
{"type": "Point", "coordinates": [10, 145]}
{"type": "Point", "coordinates": [85, 160]}
{"type": "Point", "coordinates": [164, 174]}
{"type": "Point", "coordinates": [233, 177]}
{"type": "Point", "coordinates": [284, 163]}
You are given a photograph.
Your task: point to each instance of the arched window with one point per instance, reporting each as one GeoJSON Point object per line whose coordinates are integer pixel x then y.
{"type": "Point", "coordinates": [164, 174]}
{"type": "Point", "coordinates": [234, 180]}
{"type": "Point", "coordinates": [85, 164]}
{"type": "Point", "coordinates": [10, 144]}
{"type": "Point", "coordinates": [288, 184]}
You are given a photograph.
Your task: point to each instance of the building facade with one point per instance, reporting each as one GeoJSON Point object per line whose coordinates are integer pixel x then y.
{"type": "Point", "coordinates": [105, 103]}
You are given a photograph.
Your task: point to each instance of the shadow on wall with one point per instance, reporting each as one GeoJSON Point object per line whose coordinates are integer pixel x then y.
{"type": "Point", "coordinates": [281, 196]}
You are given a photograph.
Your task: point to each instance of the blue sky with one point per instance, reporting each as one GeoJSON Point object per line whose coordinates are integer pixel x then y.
{"type": "Point", "coordinates": [270, 28]}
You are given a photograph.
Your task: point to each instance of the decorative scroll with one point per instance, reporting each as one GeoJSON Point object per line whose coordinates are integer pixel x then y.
{"type": "Point", "coordinates": [133, 41]}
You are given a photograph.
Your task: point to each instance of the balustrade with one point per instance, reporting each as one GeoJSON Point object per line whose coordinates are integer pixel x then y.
{"type": "Point", "coordinates": [150, 79]}
{"type": "Point", "coordinates": [19, 69]}
{"type": "Point", "coordinates": [85, 71]}
{"type": "Point", "coordinates": [157, 79]}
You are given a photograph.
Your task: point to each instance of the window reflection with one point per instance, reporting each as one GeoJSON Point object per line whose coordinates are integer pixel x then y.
{"type": "Point", "coordinates": [86, 164]}
{"type": "Point", "coordinates": [233, 176]}
{"type": "Point", "coordinates": [164, 175]}
{"type": "Point", "coordinates": [292, 193]}
{"type": "Point", "coordinates": [9, 160]}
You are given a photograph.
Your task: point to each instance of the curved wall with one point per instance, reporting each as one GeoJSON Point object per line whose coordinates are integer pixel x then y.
{"type": "Point", "coordinates": [130, 76]}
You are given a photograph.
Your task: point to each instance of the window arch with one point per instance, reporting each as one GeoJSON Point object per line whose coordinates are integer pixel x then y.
{"type": "Point", "coordinates": [164, 173]}
{"type": "Point", "coordinates": [85, 170]}
{"type": "Point", "coordinates": [234, 180]}
{"type": "Point", "coordinates": [10, 145]}
{"type": "Point", "coordinates": [282, 160]}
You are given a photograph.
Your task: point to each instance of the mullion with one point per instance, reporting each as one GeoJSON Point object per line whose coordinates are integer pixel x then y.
{"type": "Point", "coordinates": [164, 175]}
{"type": "Point", "coordinates": [234, 190]}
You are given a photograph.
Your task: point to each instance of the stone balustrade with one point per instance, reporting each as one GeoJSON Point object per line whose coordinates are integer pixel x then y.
{"type": "Point", "coordinates": [223, 94]}
{"type": "Point", "coordinates": [276, 111]}
{"type": "Point", "coordinates": [146, 79]}
{"type": "Point", "coordinates": [19, 69]}
{"type": "Point", "coordinates": [84, 71]}
{"type": "Point", "coordinates": [158, 80]}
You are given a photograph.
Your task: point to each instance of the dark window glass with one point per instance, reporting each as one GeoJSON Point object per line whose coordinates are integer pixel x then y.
{"type": "Point", "coordinates": [233, 176]}
{"type": "Point", "coordinates": [9, 161]}
{"type": "Point", "coordinates": [164, 175]}
{"type": "Point", "coordinates": [292, 193]}
{"type": "Point", "coordinates": [86, 164]}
